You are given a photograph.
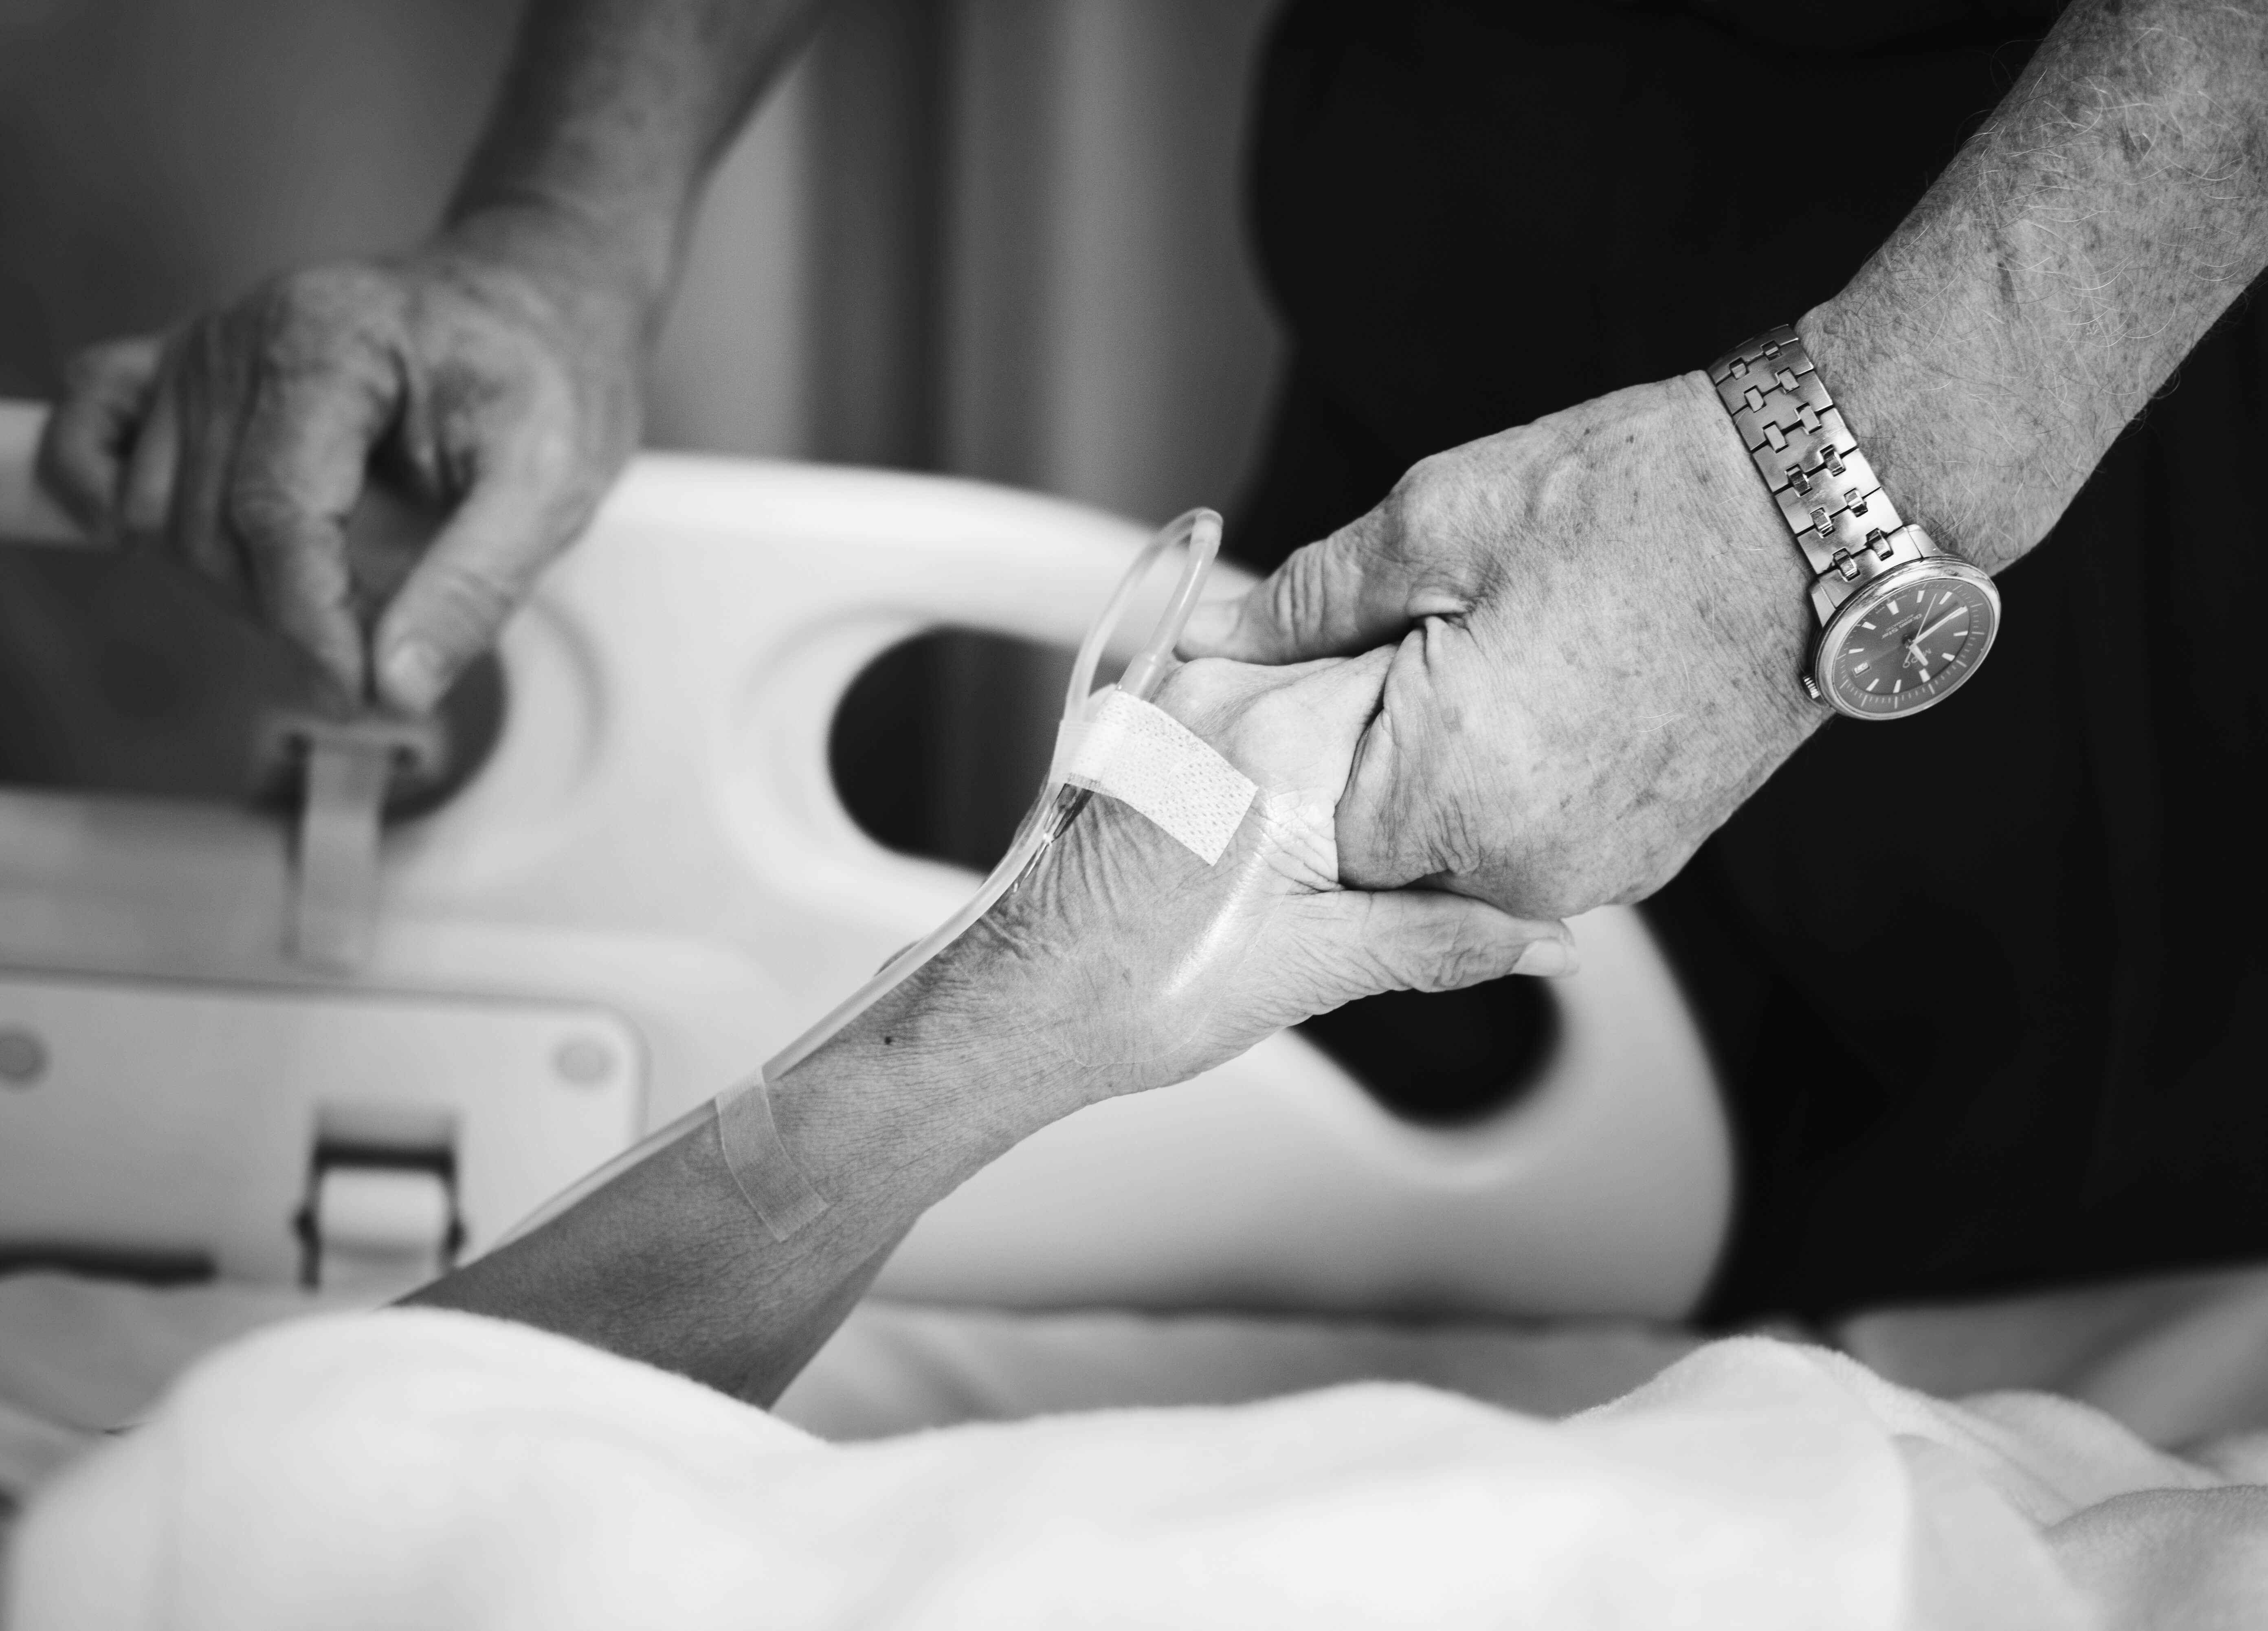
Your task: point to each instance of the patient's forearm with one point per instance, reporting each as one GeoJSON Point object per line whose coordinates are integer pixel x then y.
{"type": "Point", "coordinates": [612, 112]}
{"type": "Point", "coordinates": [1123, 960]}
{"type": "Point", "coordinates": [670, 1265]}
{"type": "Point", "coordinates": [2060, 269]}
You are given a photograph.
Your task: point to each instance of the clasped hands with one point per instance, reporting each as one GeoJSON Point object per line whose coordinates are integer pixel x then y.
{"type": "Point", "coordinates": [1597, 623]}
{"type": "Point", "coordinates": [1574, 654]}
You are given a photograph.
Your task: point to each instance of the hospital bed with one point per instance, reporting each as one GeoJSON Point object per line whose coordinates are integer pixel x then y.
{"type": "Point", "coordinates": [291, 1046]}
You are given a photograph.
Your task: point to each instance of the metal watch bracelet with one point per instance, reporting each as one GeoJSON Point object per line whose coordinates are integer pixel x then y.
{"type": "Point", "coordinates": [1828, 492]}
{"type": "Point", "coordinates": [1903, 623]}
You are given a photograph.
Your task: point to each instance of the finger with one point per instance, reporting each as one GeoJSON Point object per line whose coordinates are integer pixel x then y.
{"type": "Point", "coordinates": [88, 438]}
{"type": "Point", "coordinates": [145, 501]}
{"type": "Point", "coordinates": [1338, 596]}
{"type": "Point", "coordinates": [1419, 940]}
{"type": "Point", "coordinates": [297, 471]}
{"type": "Point", "coordinates": [457, 600]}
{"type": "Point", "coordinates": [1407, 813]}
{"type": "Point", "coordinates": [208, 385]}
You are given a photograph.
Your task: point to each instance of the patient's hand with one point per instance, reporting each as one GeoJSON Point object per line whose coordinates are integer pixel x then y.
{"type": "Point", "coordinates": [1135, 964]}
{"type": "Point", "coordinates": [1122, 963]}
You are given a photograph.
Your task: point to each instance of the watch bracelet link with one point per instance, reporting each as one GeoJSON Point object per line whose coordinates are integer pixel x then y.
{"type": "Point", "coordinates": [1827, 491]}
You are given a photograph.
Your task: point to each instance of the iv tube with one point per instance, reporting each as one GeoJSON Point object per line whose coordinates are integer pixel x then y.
{"type": "Point", "coordinates": [1199, 532]}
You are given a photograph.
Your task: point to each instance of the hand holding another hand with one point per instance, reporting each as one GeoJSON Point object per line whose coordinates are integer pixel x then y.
{"type": "Point", "coordinates": [1601, 623]}
{"type": "Point", "coordinates": [1125, 963]}
{"type": "Point", "coordinates": [493, 373]}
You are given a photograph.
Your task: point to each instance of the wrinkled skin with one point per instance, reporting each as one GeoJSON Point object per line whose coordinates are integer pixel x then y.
{"type": "Point", "coordinates": [1600, 620]}
{"type": "Point", "coordinates": [491, 376]}
{"type": "Point", "coordinates": [1123, 963]}
{"type": "Point", "coordinates": [1133, 964]}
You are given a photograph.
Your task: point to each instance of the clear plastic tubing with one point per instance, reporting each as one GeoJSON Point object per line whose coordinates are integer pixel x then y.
{"type": "Point", "coordinates": [1198, 532]}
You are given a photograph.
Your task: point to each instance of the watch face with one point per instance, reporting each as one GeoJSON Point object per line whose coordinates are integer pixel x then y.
{"type": "Point", "coordinates": [1909, 639]}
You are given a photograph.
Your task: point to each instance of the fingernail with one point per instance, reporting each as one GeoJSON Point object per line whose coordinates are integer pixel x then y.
{"type": "Point", "coordinates": [1211, 622]}
{"type": "Point", "coordinates": [412, 672]}
{"type": "Point", "coordinates": [1547, 956]}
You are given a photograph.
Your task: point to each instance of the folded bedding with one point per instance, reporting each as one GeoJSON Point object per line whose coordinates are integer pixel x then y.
{"type": "Point", "coordinates": [422, 1469]}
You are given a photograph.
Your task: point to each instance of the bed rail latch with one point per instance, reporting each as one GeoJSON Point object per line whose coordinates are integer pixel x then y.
{"type": "Point", "coordinates": [381, 1200]}
{"type": "Point", "coordinates": [345, 770]}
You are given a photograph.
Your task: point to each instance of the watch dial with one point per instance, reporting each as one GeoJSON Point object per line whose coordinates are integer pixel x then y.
{"type": "Point", "coordinates": [1911, 646]}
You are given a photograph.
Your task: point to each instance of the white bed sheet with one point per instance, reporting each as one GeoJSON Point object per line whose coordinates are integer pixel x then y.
{"type": "Point", "coordinates": [378, 1472]}
{"type": "Point", "coordinates": [2183, 1361]}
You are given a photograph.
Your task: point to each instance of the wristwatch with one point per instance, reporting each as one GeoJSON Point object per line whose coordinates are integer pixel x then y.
{"type": "Point", "coordinates": [1903, 622]}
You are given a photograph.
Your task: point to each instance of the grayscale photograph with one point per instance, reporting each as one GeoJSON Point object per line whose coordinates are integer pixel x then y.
{"type": "Point", "coordinates": [1133, 816]}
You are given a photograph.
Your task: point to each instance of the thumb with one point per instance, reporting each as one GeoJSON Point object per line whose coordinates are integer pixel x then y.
{"type": "Point", "coordinates": [1343, 595]}
{"type": "Point", "coordinates": [1422, 940]}
{"type": "Point", "coordinates": [457, 599]}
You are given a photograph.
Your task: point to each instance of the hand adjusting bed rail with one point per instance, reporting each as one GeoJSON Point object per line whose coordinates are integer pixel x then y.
{"type": "Point", "coordinates": [344, 770]}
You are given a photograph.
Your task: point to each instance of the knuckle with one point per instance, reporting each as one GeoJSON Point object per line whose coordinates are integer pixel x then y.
{"type": "Point", "coordinates": [470, 603]}
{"type": "Point", "coordinates": [264, 510]}
{"type": "Point", "coordinates": [1443, 525]}
{"type": "Point", "coordinates": [313, 320]}
{"type": "Point", "coordinates": [1194, 689]}
{"type": "Point", "coordinates": [1420, 501]}
{"type": "Point", "coordinates": [1203, 694]}
{"type": "Point", "coordinates": [1462, 955]}
{"type": "Point", "coordinates": [91, 372]}
{"type": "Point", "coordinates": [1298, 594]}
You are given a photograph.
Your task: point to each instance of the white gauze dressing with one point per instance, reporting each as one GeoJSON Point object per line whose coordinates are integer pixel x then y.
{"type": "Point", "coordinates": [1140, 755]}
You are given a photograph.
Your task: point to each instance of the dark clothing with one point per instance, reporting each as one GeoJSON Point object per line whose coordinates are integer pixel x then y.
{"type": "Point", "coordinates": [1986, 987]}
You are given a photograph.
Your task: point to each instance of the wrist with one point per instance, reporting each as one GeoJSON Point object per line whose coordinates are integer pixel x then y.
{"type": "Point", "coordinates": [1775, 629]}
{"type": "Point", "coordinates": [939, 1072]}
{"type": "Point", "coordinates": [604, 281]}
{"type": "Point", "coordinates": [1954, 455]}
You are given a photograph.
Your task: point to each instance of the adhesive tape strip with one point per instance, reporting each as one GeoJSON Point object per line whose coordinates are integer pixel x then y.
{"type": "Point", "coordinates": [1143, 755]}
{"type": "Point", "coordinates": [769, 1179]}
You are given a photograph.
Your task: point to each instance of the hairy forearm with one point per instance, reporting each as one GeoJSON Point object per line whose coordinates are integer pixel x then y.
{"type": "Point", "coordinates": [612, 114]}
{"type": "Point", "coordinates": [669, 1264]}
{"type": "Point", "coordinates": [2058, 272]}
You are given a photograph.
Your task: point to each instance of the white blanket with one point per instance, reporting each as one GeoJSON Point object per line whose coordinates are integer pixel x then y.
{"type": "Point", "coordinates": [414, 1469]}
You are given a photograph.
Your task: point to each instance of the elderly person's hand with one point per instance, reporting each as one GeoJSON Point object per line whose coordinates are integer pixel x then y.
{"type": "Point", "coordinates": [1602, 618]}
{"type": "Point", "coordinates": [1122, 963]}
{"type": "Point", "coordinates": [492, 373]}
{"type": "Point", "coordinates": [1131, 964]}
{"type": "Point", "coordinates": [1601, 623]}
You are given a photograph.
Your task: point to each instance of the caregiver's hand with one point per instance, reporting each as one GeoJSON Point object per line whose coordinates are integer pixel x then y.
{"type": "Point", "coordinates": [493, 373]}
{"type": "Point", "coordinates": [1134, 964]}
{"type": "Point", "coordinates": [1600, 621]}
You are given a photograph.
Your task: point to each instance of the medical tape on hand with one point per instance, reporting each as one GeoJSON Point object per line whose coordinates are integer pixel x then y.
{"type": "Point", "coordinates": [775, 1188]}
{"type": "Point", "coordinates": [1142, 755]}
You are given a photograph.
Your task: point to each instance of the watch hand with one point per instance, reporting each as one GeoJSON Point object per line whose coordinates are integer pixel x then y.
{"type": "Point", "coordinates": [1939, 623]}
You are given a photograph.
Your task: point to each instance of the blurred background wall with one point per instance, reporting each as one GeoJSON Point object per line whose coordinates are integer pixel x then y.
{"type": "Point", "coordinates": [993, 237]}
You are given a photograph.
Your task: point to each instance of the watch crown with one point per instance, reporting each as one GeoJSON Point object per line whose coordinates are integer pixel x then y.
{"type": "Point", "coordinates": [1811, 689]}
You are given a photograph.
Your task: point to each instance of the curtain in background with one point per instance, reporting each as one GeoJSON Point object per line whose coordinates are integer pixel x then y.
{"type": "Point", "coordinates": [993, 237]}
